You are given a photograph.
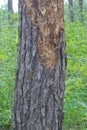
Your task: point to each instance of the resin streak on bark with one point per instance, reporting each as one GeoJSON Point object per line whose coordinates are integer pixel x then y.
{"type": "Point", "coordinates": [47, 16]}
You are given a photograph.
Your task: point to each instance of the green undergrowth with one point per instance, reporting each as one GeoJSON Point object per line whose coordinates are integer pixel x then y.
{"type": "Point", "coordinates": [75, 101]}
{"type": "Point", "coordinates": [8, 52]}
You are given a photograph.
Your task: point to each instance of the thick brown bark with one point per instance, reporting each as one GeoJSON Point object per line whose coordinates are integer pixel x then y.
{"type": "Point", "coordinates": [71, 11]}
{"type": "Point", "coordinates": [81, 9]}
{"type": "Point", "coordinates": [39, 87]}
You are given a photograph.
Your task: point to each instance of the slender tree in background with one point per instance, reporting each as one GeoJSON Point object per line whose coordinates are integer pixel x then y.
{"type": "Point", "coordinates": [10, 6]}
{"type": "Point", "coordinates": [81, 9]}
{"type": "Point", "coordinates": [71, 12]}
{"type": "Point", "coordinates": [10, 10]}
{"type": "Point", "coordinates": [39, 86]}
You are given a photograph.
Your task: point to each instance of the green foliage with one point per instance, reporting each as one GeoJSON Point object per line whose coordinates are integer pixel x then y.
{"type": "Point", "coordinates": [8, 51]}
{"type": "Point", "coordinates": [75, 102]}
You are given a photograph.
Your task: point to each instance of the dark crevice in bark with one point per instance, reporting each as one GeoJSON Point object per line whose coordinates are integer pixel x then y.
{"type": "Point", "coordinates": [39, 91]}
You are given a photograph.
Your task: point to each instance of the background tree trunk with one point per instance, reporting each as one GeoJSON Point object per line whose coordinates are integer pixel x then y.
{"type": "Point", "coordinates": [10, 10]}
{"type": "Point", "coordinates": [39, 87]}
{"type": "Point", "coordinates": [81, 9]}
{"type": "Point", "coordinates": [10, 6]}
{"type": "Point", "coordinates": [71, 12]}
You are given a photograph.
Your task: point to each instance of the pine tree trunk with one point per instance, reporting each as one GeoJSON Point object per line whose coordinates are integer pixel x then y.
{"type": "Point", "coordinates": [81, 9]}
{"type": "Point", "coordinates": [39, 87]}
{"type": "Point", "coordinates": [10, 11]}
{"type": "Point", "coordinates": [71, 11]}
{"type": "Point", "coordinates": [10, 6]}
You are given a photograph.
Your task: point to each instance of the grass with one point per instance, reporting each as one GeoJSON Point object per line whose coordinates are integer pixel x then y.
{"type": "Point", "coordinates": [75, 101]}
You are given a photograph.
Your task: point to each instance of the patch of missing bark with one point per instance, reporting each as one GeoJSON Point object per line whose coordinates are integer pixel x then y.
{"type": "Point", "coordinates": [47, 15]}
{"type": "Point", "coordinates": [47, 55]}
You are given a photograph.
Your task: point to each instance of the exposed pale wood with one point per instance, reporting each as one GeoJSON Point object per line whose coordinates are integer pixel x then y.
{"type": "Point", "coordinates": [39, 88]}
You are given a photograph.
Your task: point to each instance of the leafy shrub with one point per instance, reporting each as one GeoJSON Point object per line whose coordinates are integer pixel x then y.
{"type": "Point", "coordinates": [8, 51]}
{"type": "Point", "coordinates": [75, 102]}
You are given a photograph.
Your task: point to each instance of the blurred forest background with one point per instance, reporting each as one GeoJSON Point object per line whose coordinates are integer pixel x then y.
{"type": "Point", "coordinates": [75, 101]}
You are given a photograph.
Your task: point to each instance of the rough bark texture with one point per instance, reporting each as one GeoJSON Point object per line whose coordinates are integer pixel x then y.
{"type": "Point", "coordinates": [71, 11]}
{"type": "Point", "coordinates": [39, 88]}
{"type": "Point", "coordinates": [47, 16]}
